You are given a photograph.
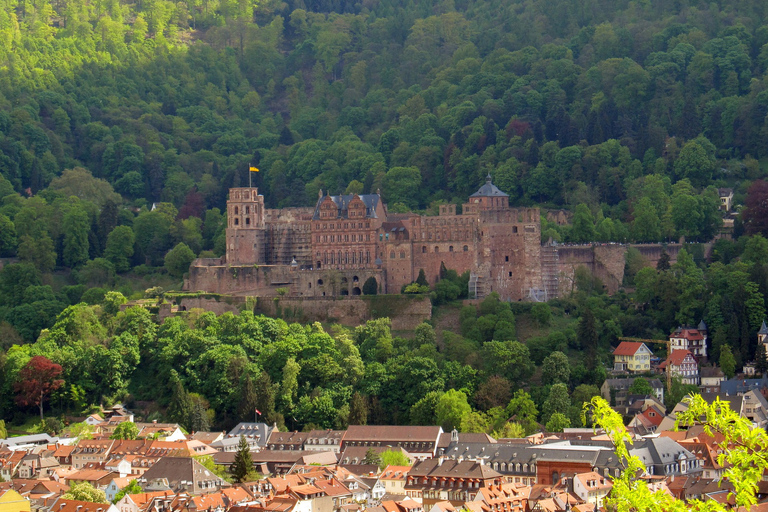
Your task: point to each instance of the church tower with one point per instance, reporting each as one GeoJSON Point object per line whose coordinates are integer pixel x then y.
{"type": "Point", "coordinates": [245, 227]}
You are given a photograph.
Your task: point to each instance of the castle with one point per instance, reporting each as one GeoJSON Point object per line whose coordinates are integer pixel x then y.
{"type": "Point", "coordinates": [333, 248]}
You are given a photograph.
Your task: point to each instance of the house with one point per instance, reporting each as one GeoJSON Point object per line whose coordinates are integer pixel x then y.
{"type": "Point", "coordinates": [287, 440]}
{"type": "Point", "coordinates": [682, 364]}
{"type": "Point", "coordinates": [688, 338]}
{"type": "Point", "coordinates": [231, 444]}
{"type": "Point", "coordinates": [38, 465]}
{"type": "Point", "coordinates": [183, 474]}
{"type": "Point", "coordinates": [726, 199]}
{"type": "Point", "coordinates": [711, 377]}
{"type": "Point", "coordinates": [616, 391]}
{"type": "Point", "coordinates": [762, 340]}
{"type": "Point", "coordinates": [647, 421]}
{"type": "Point", "coordinates": [96, 477]}
{"type": "Point", "coordinates": [93, 420]}
{"type": "Point", "coordinates": [419, 441]}
{"type": "Point", "coordinates": [393, 479]}
{"type": "Point", "coordinates": [164, 431]}
{"type": "Point", "coordinates": [632, 356]}
{"type": "Point", "coordinates": [28, 441]}
{"type": "Point", "coordinates": [142, 502]}
{"type": "Point", "coordinates": [91, 450]}
{"type": "Point", "coordinates": [12, 501]}
{"type": "Point", "coordinates": [115, 486]}
{"type": "Point", "coordinates": [64, 505]}
{"type": "Point", "coordinates": [508, 497]}
{"type": "Point", "coordinates": [260, 432]}
{"type": "Point", "coordinates": [207, 437]}
{"type": "Point", "coordinates": [706, 453]}
{"type": "Point", "coordinates": [324, 440]}
{"type": "Point", "coordinates": [442, 479]}
{"type": "Point", "coordinates": [592, 487]}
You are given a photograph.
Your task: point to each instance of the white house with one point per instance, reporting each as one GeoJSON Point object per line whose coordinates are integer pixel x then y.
{"type": "Point", "coordinates": [592, 487]}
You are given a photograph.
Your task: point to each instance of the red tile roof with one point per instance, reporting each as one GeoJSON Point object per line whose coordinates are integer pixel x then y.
{"type": "Point", "coordinates": [689, 334]}
{"type": "Point", "coordinates": [627, 348]}
{"type": "Point", "coordinates": [676, 358]}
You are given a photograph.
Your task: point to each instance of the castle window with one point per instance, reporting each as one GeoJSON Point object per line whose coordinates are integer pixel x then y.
{"type": "Point", "coordinates": [247, 210]}
{"type": "Point", "coordinates": [333, 238]}
{"type": "Point", "coordinates": [354, 238]}
{"type": "Point", "coordinates": [346, 238]}
{"type": "Point", "coordinates": [237, 211]}
{"type": "Point", "coordinates": [367, 256]}
{"type": "Point", "coordinates": [346, 257]}
{"type": "Point", "coordinates": [506, 258]}
{"type": "Point", "coordinates": [466, 248]}
{"type": "Point", "coordinates": [437, 249]}
{"type": "Point", "coordinates": [450, 249]}
{"type": "Point", "coordinates": [237, 222]}
{"type": "Point", "coordinates": [354, 258]}
{"type": "Point", "coordinates": [332, 261]}
{"type": "Point", "coordinates": [514, 229]}
{"type": "Point", "coordinates": [402, 255]}
{"type": "Point", "coordinates": [392, 255]}
{"type": "Point", "coordinates": [423, 249]}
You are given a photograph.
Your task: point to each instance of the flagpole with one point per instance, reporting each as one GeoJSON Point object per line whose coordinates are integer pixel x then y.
{"type": "Point", "coordinates": [249, 175]}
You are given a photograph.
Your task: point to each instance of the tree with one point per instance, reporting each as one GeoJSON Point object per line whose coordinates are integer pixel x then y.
{"type": "Point", "coordinates": [510, 430]}
{"type": "Point", "coordinates": [370, 287]}
{"type": "Point", "coordinates": [133, 487]}
{"type": "Point", "coordinates": [494, 392]}
{"type": "Point", "coordinates": [84, 491]}
{"type": "Point", "coordinates": [180, 408]}
{"type": "Point", "coordinates": [3, 430]}
{"type": "Point", "coordinates": [728, 362]}
{"type": "Point", "coordinates": [358, 410]}
{"type": "Point", "coordinates": [36, 380]}
{"type": "Point", "coordinates": [558, 422]}
{"type": "Point", "coordinates": [178, 260]}
{"type": "Point", "coordinates": [743, 456]}
{"type": "Point", "coordinates": [542, 313]}
{"type": "Point", "coordinates": [76, 225]}
{"type": "Point", "coordinates": [8, 240]}
{"type": "Point", "coordinates": [640, 386]}
{"type": "Point", "coordinates": [521, 409]}
{"type": "Point", "coordinates": [119, 249]}
{"type": "Point", "coordinates": [422, 279]}
{"type": "Point", "coordinates": [372, 457]}
{"type": "Point", "coordinates": [242, 467]}
{"type": "Point", "coordinates": [393, 458]}
{"type": "Point", "coordinates": [756, 208]}
{"type": "Point", "coordinates": [557, 401]}
{"type": "Point", "coordinates": [583, 226]}
{"type": "Point", "coordinates": [126, 430]}
{"type": "Point", "coordinates": [586, 334]}
{"type": "Point", "coordinates": [555, 368]}
{"type": "Point", "coordinates": [451, 408]}
{"type": "Point", "coordinates": [646, 223]}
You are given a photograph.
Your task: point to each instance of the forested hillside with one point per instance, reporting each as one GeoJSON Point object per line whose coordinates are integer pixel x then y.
{"type": "Point", "coordinates": [629, 113]}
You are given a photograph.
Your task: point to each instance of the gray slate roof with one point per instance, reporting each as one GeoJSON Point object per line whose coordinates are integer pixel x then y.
{"type": "Point", "coordinates": [342, 203]}
{"type": "Point", "coordinates": [489, 190]}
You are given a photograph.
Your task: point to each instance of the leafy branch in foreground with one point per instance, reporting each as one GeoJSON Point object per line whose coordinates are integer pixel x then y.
{"type": "Point", "coordinates": [744, 449]}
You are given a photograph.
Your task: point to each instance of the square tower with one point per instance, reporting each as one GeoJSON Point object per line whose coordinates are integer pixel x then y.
{"type": "Point", "coordinates": [245, 226]}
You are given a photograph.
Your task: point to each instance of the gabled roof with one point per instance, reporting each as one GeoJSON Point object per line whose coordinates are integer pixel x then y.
{"type": "Point", "coordinates": [342, 204]}
{"type": "Point", "coordinates": [396, 433]}
{"type": "Point", "coordinates": [449, 468]}
{"type": "Point", "coordinates": [629, 348]}
{"type": "Point", "coordinates": [688, 333]}
{"type": "Point", "coordinates": [676, 358]}
{"type": "Point", "coordinates": [395, 473]}
{"type": "Point", "coordinates": [489, 190]}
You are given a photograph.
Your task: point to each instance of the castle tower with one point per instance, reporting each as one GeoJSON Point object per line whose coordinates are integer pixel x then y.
{"type": "Point", "coordinates": [245, 227]}
{"type": "Point", "coordinates": [489, 197]}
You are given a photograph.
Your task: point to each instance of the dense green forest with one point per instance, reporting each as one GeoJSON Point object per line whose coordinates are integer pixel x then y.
{"type": "Point", "coordinates": [629, 113]}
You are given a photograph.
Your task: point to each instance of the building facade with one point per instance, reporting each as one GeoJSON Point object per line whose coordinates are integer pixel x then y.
{"type": "Point", "coordinates": [335, 247]}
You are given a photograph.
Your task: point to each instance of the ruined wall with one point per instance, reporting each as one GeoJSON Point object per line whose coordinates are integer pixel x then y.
{"type": "Point", "coordinates": [406, 312]}
{"type": "Point", "coordinates": [605, 261]}
{"type": "Point", "coordinates": [288, 236]}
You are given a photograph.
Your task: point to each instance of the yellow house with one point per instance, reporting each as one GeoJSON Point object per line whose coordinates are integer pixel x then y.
{"type": "Point", "coordinates": [11, 501]}
{"type": "Point", "coordinates": [632, 356]}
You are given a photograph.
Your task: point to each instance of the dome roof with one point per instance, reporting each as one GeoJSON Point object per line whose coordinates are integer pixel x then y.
{"type": "Point", "coordinates": [489, 190]}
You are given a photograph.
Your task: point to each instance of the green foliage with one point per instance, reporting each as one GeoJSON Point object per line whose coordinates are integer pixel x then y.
{"type": "Point", "coordinates": [84, 491]}
{"type": "Point", "coordinates": [742, 454]}
{"type": "Point", "coordinates": [372, 458]}
{"type": "Point", "coordinates": [727, 361]}
{"type": "Point", "coordinates": [242, 467]}
{"type": "Point", "coordinates": [178, 259]}
{"type": "Point", "coordinates": [126, 430]}
{"type": "Point", "coordinates": [558, 422]}
{"type": "Point", "coordinates": [640, 386]}
{"type": "Point", "coordinates": [370, 287]}
{"type": "Point", "coordinates": [451, 408]}
{"type": "Point", "coordinates": [555, 368]}
{"type": "Point", "coordinates": [392, 458]}
{"type": "Point", "coordinates": [133, 487]}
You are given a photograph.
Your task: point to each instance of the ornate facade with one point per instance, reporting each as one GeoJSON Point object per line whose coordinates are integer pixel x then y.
{"type": "Point", "coordinates": [333, 248]}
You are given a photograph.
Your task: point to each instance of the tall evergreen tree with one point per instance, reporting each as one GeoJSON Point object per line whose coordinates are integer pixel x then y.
{"type": "Point", "coordinates": [587, 335]}
{"type": "Point", "coordinates": [243, 464]}
{"type": "Point", "coordinates": [180, 408]}
{"type": "Point", "coordinates": [358, 410]}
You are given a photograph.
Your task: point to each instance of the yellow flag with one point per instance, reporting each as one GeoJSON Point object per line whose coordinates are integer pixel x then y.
{"type": "Point", "coordinates": [253, 169]}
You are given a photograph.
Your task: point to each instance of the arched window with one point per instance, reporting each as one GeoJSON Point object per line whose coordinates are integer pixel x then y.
{"type": "Point", "coordinates": [466, 248]}
{"type": "Point", "coordinates": [237, 211]}
{"type": "Point", "coordinates": [450, 249]}
{"type": "Point", "coordinates": [237, 222]}
{"type": "Point", "coordinates": [402, 255]}
{"type": "Point", "coordinates": [392, 255]}
{"type": "Point", "coordinates": [423, 249]}
{"type": "Point", "coordinates": [437, 249]}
